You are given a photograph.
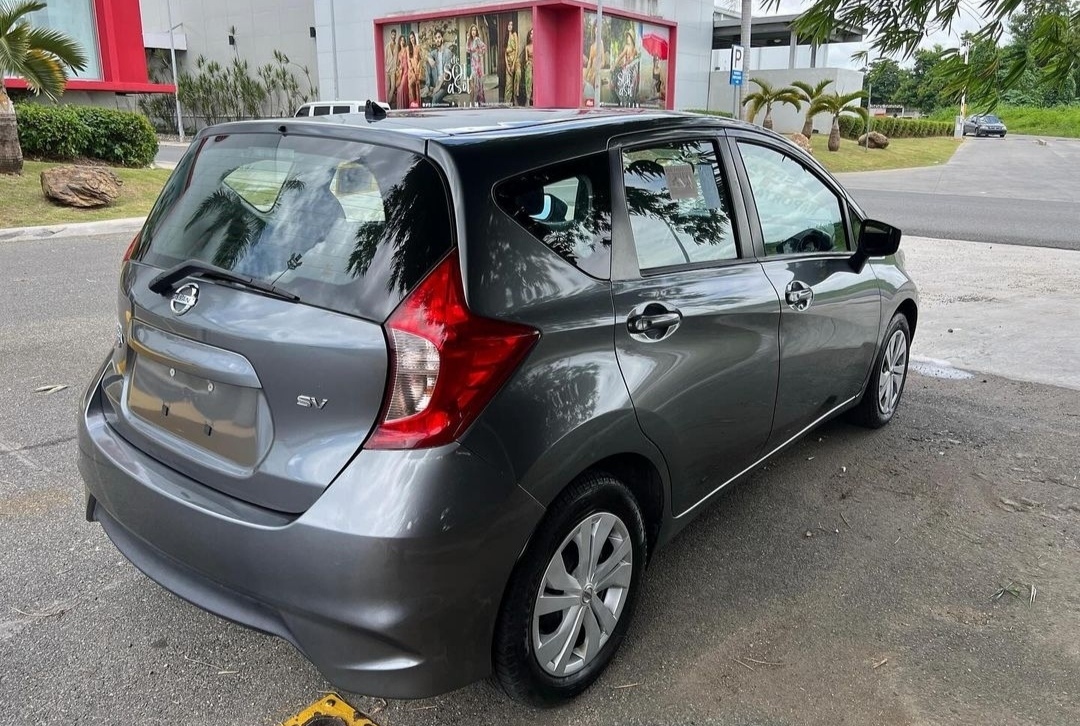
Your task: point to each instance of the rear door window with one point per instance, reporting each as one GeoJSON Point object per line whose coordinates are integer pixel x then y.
{"type": "Point", "coordinates": [344, 225]}
{"type": "Point", "coordinates": [342, 109]}
{"type": "Point", "coordinates": [320, 110]}
{"type": "Point", "coordinates": [678, 205]}
{"type": "Point", "coordinates": [566, 206]}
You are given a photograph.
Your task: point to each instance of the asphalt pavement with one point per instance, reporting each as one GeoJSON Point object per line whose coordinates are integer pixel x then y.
{"type": "Point", "coordinates": [169, 153]}
{"type": "Point", "coordinates": [862, 577]}
{"type": "Point", "coordinates": [1020, 190]}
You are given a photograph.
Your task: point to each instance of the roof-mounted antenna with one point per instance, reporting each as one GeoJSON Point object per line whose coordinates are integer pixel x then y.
{"type": "Point", "coordinates": [375, 110]}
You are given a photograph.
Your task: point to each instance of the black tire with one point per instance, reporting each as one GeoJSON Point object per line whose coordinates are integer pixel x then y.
{"type": "Point", "coordinates": [868, 412]}
{"type": "Point", "coordinates": [517, 668]}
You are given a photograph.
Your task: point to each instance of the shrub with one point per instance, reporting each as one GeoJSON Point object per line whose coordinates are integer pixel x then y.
{"type": "Point", "coordinates": [62, 133]}
{"type": "Point", "coordinates": [51, 132]}
{"type": "Point", "coordinates": [851, 127]}
{"type": "Point", "coordinates": [118, 137]}
{"type": "Point", "coordinates": [707, 112]}
{"type": "Point", "coordinates": [895, 128]}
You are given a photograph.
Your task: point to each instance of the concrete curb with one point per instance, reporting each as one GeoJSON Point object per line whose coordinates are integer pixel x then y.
{"type": "Point", "coordinates": [129, 225]}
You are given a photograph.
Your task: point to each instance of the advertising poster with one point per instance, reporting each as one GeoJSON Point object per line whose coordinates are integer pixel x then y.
{"type": "Point", "coordinates": [628, 60]}
{"type": "Point", "coordinates": [466, 60]}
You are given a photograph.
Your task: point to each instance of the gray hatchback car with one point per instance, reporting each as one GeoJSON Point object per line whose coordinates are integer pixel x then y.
{"type": "Point", "coordinates": [421, 393]}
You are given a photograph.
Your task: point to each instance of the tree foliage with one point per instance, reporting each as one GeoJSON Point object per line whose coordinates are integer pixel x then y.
{"type": "Point", "coordinates": [40, 56]}
{"type": "Point", "coordinates": [898, 27]}
{"type": "Point", "coordinates": [809, 95]}
{"type": "Point", "coordinates": [766, 97]}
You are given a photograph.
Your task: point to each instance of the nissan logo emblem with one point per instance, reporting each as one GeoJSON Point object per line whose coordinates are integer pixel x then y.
{"type": "Point", "coordinates": [184, 298]}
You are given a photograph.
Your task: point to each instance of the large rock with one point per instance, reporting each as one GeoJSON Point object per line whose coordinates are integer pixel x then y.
{"type": "Point", "coordinates": [877, 141]}
{"type": "Point", "coordinates": [80, 186]}
{"type": "Point", "coordinates": [802, 142]}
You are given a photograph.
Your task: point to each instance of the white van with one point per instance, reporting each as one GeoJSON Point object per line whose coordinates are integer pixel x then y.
{"type": "Point", "coordinates": [326, 108]}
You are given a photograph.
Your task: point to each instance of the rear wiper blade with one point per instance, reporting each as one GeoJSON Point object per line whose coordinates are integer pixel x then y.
{"type": "Point", "coordinates": [164, 284]}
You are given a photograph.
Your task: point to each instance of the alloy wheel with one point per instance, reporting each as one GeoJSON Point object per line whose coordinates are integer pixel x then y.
{"type": "Point", "coordinates": [891, 374]}
{"type": "Point", "coordinates": [584, 591]}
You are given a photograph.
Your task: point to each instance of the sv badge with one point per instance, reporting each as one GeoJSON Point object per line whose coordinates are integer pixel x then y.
{"type": "Point", "coordinates": [310, 402]}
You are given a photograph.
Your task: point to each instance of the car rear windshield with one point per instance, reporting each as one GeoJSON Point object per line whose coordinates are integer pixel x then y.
{"type": "Point", "coordinates": [344, 225]}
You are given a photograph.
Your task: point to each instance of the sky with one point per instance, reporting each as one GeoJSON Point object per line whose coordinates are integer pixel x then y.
{"type": "Point", "coordinates": [840, 55]}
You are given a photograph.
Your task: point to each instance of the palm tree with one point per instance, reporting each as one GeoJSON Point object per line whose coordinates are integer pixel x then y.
{"type": "Point", "coordinates": [766, 97]}
{"type": "Point", "coordinates": [809, 95]}
{"type": "Point", "coordinates": [837, 105]}
{"type": "Point", "coordinates": [42, 57]}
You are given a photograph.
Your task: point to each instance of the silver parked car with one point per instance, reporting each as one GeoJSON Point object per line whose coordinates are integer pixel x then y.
{"type": "Point", "coordinates": [422, 393]}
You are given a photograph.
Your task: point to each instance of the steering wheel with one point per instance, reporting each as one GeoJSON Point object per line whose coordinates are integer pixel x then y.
{"type": "Point", "coordinates": [809, 240]}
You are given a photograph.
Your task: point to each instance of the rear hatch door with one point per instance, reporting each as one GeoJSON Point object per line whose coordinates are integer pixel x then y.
{"type": "Point", "coordinates": [260, 394]}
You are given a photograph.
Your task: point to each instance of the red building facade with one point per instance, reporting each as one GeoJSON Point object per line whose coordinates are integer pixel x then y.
{"type": "Point", "coordinates": [121, 68]}
{"type": "Point", "coordinates": [543, 53]}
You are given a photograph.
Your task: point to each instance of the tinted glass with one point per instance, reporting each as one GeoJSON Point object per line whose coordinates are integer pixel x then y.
{"type": "Point", "coordinates": [302, 111]}
{"type": "Point", "coordinates": [677, 202]}
{"type": "Point", "coordinates": [567, 207]}
{"type": "Point", "coordinates": [799, 214]}
{"type": "Point", "coordinates": [341, 109]}
{"type": "Point", "coordinates": [344, 225]}
{"type": "Point", "coordinates": [320, 110]}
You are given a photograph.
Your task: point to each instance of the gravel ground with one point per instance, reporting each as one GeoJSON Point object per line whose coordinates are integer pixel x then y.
{"type": "Point", "coordinates": [850, 581]}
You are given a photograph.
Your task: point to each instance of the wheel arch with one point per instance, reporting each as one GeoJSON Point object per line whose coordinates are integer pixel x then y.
{"type": "Point", "coordinates": [910, 310]}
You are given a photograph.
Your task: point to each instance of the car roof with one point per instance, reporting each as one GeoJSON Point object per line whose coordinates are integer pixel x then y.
{"type": "Point", "coordinates": [488, 121]}
{"type": "Point", "coordinates": [344, 102]}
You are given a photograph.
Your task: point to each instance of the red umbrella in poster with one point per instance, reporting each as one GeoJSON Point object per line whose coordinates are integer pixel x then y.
{"type": "Point", "coordinates": [656, 46]}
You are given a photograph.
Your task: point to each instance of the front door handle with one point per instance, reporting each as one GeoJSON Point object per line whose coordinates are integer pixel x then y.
{"type": "Point", "coordinates": [799, 295]}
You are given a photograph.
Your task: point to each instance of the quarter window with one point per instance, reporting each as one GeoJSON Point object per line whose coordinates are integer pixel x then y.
{"type": "Point", "coordinates": [678, 205]}
{"type": "Point", "coordinates": [567, 207]}
{"type": "Point", "coordinates": [799, 214]}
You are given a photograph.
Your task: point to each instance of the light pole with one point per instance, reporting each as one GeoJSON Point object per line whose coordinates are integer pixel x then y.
{"type": "Point", "coordinates": [176, 86]}
{"type": "Point", "coordinates": [963, 95]}
{"type": "Point", "coordinates": [745, 22]}
{"type": "Point", "coordinates": [599, 51]}
{"type": "Point", "coordinates": [869, 97]}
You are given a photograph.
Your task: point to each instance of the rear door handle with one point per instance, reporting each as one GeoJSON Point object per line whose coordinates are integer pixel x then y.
{"type": "Point", "coordinates": [646, 323]}
{"type": "Point", "coordinates": [799, 295]}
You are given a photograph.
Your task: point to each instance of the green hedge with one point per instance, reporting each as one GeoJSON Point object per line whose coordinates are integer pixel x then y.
{"type": "Point", "coordinates": [852, 127]}
{"type": "Point", "coordinates": [706, 112]}
{"type": "Point", "coordinates": [119, 137]}
{"type": "Point", "coordinates": [66, 132]}
{"type": "Point", "coordinates": [51, 132]}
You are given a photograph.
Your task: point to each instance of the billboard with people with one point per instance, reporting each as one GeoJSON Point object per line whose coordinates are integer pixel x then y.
{"type": "Point", "coordinates": [627, 60]}
{"type": "Point", "coordinates": [465, 60]}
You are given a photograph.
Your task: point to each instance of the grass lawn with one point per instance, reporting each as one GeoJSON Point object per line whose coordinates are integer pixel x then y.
{"type": "Point", "coordinates": [1061, 121]}
{"type": "Point", "coordinates": [23, 205]}
{"type": "Point", "coordinates": [901, 154]}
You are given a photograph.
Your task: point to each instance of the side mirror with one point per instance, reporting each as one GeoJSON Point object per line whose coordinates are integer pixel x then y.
{"type": "Point", "coordinates": [876, 239]}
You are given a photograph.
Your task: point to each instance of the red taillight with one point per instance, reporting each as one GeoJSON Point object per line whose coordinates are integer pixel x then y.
{"type": "Point", "coordinates": [446, 363]}
{"type": "Point", "coordinates": [131, 247]}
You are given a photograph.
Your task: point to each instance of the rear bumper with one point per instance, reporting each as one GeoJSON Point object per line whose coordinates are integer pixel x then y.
{"type": "Point", "coordinates": [389, 584]}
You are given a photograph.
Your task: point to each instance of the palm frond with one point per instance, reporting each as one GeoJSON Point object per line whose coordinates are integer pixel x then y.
{"type": "Point", "coordinates": [41, 56]}
{"type": "Point", "coordinates": [764, 85]}
{"type": "Point", "coordinates": [43, 74]}
{"type": "Point", "coordinates": [66, 49]}
{"type": "Point", "coordinates": [13, 13]}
